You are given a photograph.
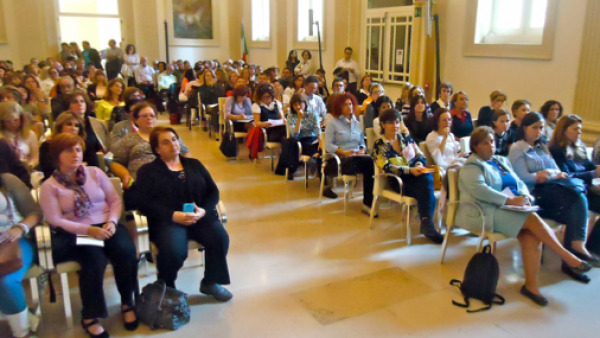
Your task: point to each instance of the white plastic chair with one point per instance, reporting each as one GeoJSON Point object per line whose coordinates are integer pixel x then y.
{"type": "Point", "coordinates": [381, 188]}
{"type": "Point", "coordinates": [302, 158]}
{"type": "Point", "coordinates": [452, 206]}
{"type": "Point", "coordinates": [347, 179]}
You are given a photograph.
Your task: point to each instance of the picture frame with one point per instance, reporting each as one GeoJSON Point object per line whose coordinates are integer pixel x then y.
{"type": "Point", "coordinates": [193, 22]}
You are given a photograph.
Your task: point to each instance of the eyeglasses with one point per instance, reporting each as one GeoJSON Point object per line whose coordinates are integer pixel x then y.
{"type": "Point", "coordinates": [395, 122]}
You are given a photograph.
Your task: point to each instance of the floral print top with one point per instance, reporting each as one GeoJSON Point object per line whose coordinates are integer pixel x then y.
{"type": "Point", "coordinates": [391, 161]}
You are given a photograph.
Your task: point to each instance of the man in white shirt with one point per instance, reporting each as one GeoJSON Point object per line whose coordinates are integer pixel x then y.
{"type": "Point", "coordinates": [315, 102]}
{"type": "Point", "coordinates": [144, 77]}
{"type": "Point", "coordinates": [351, 66]}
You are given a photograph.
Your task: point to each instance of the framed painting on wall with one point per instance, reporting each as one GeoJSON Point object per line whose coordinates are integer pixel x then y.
{"type": "Point", "coordinates": [193, 22]}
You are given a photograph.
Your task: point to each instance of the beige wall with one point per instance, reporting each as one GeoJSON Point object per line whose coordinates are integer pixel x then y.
{"type": "Point", "coordinates": [536, 80]}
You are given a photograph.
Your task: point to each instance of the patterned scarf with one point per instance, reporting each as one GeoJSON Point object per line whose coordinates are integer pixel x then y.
{"type": "Point", "coordinates": [82, 200]}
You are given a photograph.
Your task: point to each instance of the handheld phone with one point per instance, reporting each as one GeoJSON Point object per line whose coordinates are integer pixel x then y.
{"type": "Point", "coordinates": [188, 207]}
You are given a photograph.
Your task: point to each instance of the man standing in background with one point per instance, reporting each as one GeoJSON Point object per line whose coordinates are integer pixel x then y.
{"type": "Point", "coordinates": [348, 65]}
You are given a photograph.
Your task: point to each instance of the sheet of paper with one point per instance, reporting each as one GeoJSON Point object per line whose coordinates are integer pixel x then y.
{"type": "Point", "coordinates": [508, 193]}
{"type": "Point", "coordinates": [87, 240]}
{"type": "Point", "coordinates": [523, 208]}
{"type": "Point", "coordinates": [244, 120]}
{"type": "Point", "coordinates": [276, 122]}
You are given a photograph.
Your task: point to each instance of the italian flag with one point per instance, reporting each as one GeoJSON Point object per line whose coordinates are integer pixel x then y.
{"type": "Point", "coordinates": [244, 45]}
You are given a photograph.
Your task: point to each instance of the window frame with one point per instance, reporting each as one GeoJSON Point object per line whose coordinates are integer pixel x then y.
{"type": "Point", "coordinates": [248, 28]}
{"type": "Point", "coordinates": [309, 45]}
{"type": "Point", "coordinates": [502, 49]}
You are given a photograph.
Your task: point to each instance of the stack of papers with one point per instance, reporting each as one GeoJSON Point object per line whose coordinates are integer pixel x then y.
{"type": "Point", "coordinates": [87, 240]}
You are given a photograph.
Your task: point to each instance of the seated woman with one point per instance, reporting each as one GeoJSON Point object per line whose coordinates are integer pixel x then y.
{"type": "Point", "coordinates": [363, 91]}
{"type": "Point", "coordinates": [209, 94]}
{"type": "Point", "coordinates": [462, 125]}
{"type": "Point", "coordinates": [519, 109]}
{"type": "Point", "coordinates": [18, 214]}
{"type": "Point", "coordinates": [268, 113]}
{"type": "Point", "coordinates": [375, 91]}
{"type": "Point", "coordinates": [486, 113]}
{"type": "Point", "coordinates": [561, 198]}
{"type": "Point", "coordinates": [306, 67]}
{"type": "Point", "coordinates": [502, 135]}
{"type": "Point", "coordinates": [133, 151]}
{"type": "Point", "coordinates": [571, 157]}
{"type": "Point", "coordinates": [419, 119]}
{"type": "Point", "coordinates": [71, 123]}
{"type": "Point", "coordinates": [98, 88]}
{"type": "Point", "coordinates": [122, 112]}
{"type": "Point", "coordinates": [111, 99]}
{"type": "Point", "coordinates": [96, 133]}
{"type": "Point", "coordinates": [381, 103]}
{"type": "Point", "coordinates": [238, 107]}
{"type": "Point", "coordinates": [81, 200]}
{"type": "Point", "coordinates": [295, 87]}
{"type": "Point", "coordinates": [551, 111]}
{"type": "Point", "coordinates": [482, 180]}
{"type": "Point", "coordinates": [441, 143]}
{"type": "Point", "coordinates": [168, 183]}
{"type": "Point", "coordinates": [15, 129]}
{"type": "Point", "coordinates": [344, 138]}
{"type": "Point", "coordinates": [304, 127]}
{"type": "Point", "coordinates": [397, 153]}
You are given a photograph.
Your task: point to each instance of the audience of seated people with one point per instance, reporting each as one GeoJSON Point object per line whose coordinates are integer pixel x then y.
{"type": "Point", "coordinates": [260, 99]}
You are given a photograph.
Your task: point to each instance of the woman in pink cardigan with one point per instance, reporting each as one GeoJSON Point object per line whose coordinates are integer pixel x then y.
{"type": "Point", "coordinates": [79, 200]}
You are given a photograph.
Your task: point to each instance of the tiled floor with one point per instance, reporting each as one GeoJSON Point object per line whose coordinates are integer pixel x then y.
{"type": "Point", "coordinates": [304, 269]}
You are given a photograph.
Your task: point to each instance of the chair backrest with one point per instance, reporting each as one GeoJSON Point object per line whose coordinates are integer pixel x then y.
{"type": "Point", "coordinates": [453, 196]}
{"type": "Point", "coordinates": [465, 146]}
{"type": "Point", "coordinates": [425, 151]}
{"type": "Point", "coordinates": [116, 182]}
{"type": "Point", "coordinates": [371, 137]}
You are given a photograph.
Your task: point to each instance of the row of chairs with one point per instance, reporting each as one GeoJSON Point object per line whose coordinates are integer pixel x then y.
{"type": "Point", "coordinates": [138, 229]}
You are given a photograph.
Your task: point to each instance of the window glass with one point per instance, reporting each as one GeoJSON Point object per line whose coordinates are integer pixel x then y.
{"type": "Point", "coordinates": [88, 6]}
{"type": "Point", "coordinates": [260, 20]}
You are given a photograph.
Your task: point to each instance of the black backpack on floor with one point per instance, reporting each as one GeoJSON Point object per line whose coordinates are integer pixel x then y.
{"type": "Point", "coordinates": [480, 281]}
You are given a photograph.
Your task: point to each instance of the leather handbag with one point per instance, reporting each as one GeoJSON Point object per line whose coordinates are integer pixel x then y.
{"type": "Point", "coordinates": [162, 307]}
{"type": "Point", "coordinates": [10, 258]}
{"type": "Point", "coordinates": [228, 145]}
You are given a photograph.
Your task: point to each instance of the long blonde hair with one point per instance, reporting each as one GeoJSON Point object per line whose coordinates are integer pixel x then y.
{"type": "Point", "coordinates": [8, 109]}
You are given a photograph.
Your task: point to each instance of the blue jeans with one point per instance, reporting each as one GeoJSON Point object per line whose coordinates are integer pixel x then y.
{"type": "Point", "coordinates": [12, 295]}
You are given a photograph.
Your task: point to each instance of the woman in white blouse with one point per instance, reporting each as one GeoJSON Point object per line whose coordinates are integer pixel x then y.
{"type": "Point", "coordinates": [15, 129]}
{"type": "Point", "coordinates": [442, 145]}
{"type": "Point", "coordinates": [306, 66]}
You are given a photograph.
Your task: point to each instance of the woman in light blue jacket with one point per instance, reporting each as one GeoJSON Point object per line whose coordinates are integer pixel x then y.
{"type": "Point", "coordinates": [482, 180]}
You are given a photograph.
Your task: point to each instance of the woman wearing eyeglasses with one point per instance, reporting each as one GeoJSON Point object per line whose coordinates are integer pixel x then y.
{"type": "Point", "coordinates": [133, 151]}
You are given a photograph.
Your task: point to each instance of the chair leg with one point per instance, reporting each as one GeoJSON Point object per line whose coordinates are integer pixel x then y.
{"type": "Point", "coordinates": [445, 244]}
{"type": "Point", "coordinates": [346, 195]}
{"type": "Point", "coordinates": [408, 232]}
{"type": "Point", "coordinates": [35, 293]}
{"type": "Point", "coordinates": [272, 161]}
{"type": "Point", "coordinates": [322, 187]}
{"type": "Point", "coordinates": [480, 244]}
{"type": "Point", "coordinates": [374, 209]}
{"type": "Point", "coordinates": [306, 176]}
{"type": "Point", "coordinates": [64, 282]}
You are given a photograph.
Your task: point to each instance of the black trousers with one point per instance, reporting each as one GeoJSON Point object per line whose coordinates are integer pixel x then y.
{"type": "Point", "coordinates": [419, 188]}
{"type": "Point", "coordinates": [276, 134]}
{"type": "Point", "coordinates": [171, 240]}
{"type": "Point", "coordinates": [357, 165]}
{"type": "Point", "coordinates": [119, 250]}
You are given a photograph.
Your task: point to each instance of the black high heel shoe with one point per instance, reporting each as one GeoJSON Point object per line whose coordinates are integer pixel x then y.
{"type": "Point", "coordinates": [86, 327]}
{"type": "Point", "coordinates": [131, 326]}
{"type": "Point", "coordinates": [577, 272]}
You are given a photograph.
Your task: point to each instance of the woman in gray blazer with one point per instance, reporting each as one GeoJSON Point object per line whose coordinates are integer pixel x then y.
{"type": "Point", "coordinates": [483, 180]}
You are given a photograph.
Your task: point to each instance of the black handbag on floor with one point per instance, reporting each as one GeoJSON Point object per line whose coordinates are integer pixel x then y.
{"type": "Point", "coordinates": [229, 145]}
{"type": "Point", "coordinates": [162, 307]}
{"type": "Point", "coordinates": [480, 281]}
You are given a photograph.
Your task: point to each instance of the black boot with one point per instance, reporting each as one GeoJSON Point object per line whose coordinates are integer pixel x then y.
{"type": "Point", "coordinates": [428, 229]}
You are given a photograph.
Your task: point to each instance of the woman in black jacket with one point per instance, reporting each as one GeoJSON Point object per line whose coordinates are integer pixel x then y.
{"type": "Point", "coordinates": [180, 199]}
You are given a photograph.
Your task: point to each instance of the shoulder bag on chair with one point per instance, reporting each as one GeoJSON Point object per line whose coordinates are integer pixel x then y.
{"type": "Point", "coordinates": [162, 307]}
{"type": "Point", "coordinates": [10, 253]}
